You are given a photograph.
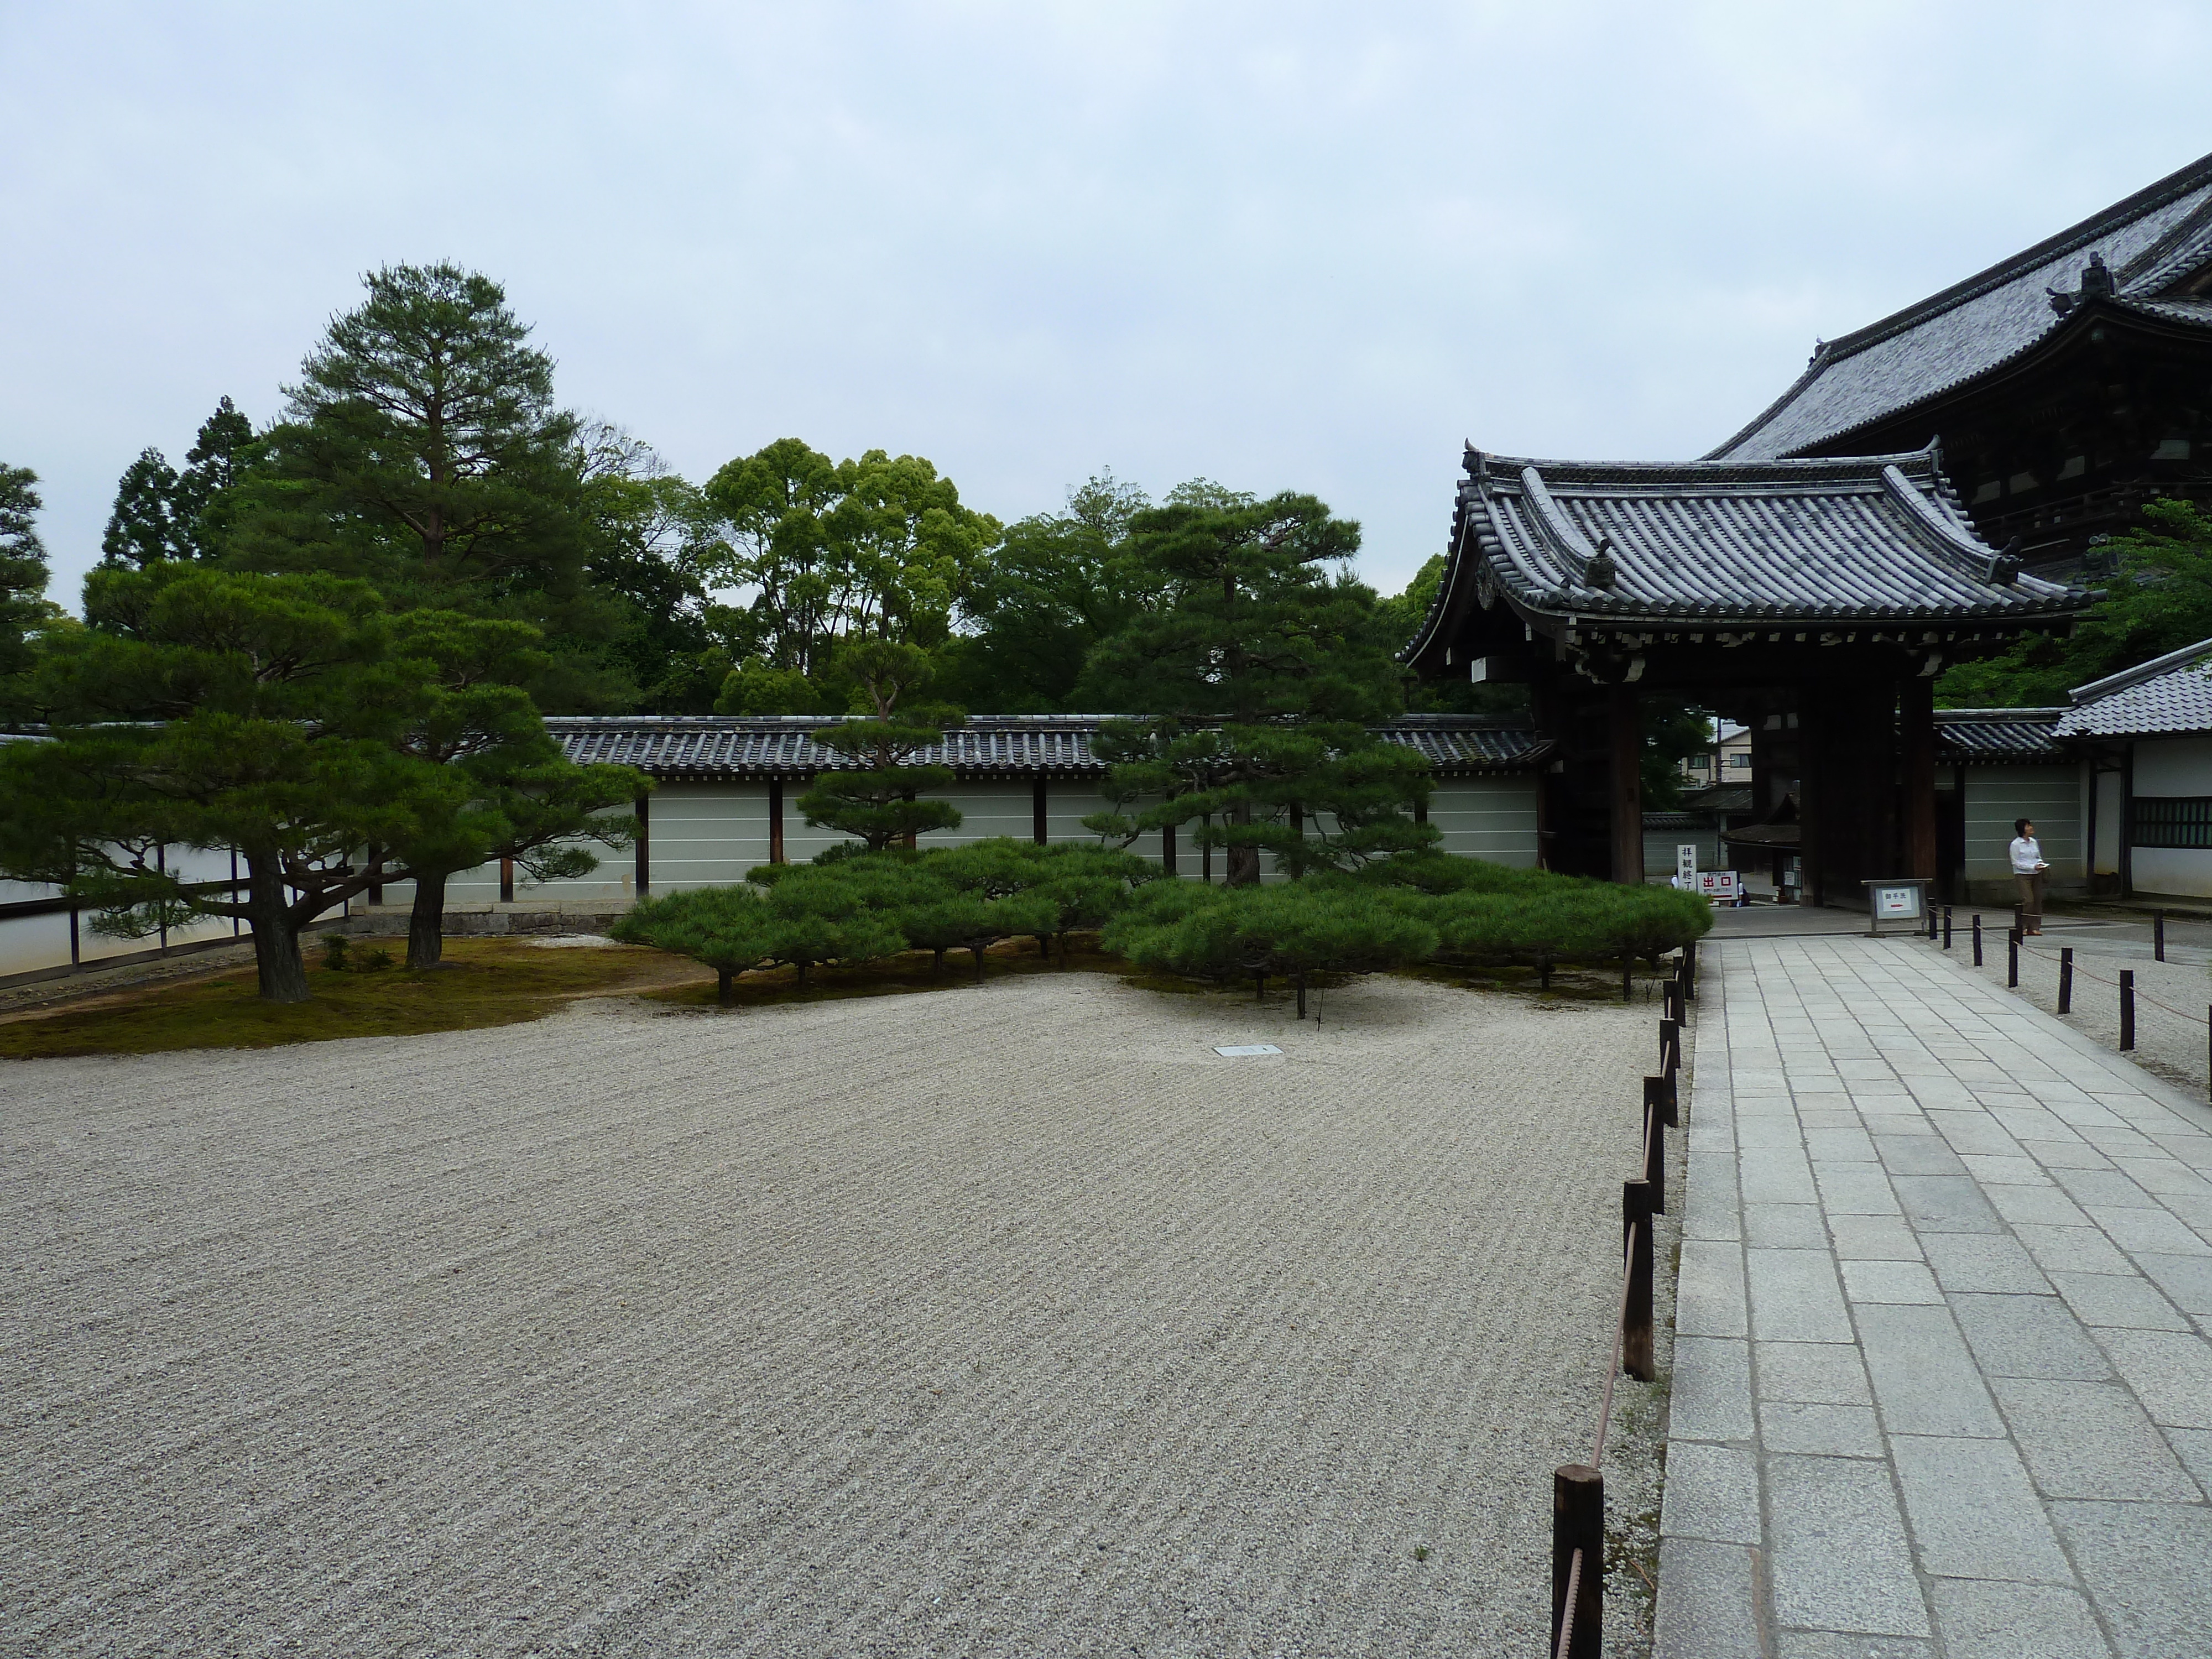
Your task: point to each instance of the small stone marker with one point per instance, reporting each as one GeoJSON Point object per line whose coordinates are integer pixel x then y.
{"type": "Point", "coordinates": [1238, 1050]}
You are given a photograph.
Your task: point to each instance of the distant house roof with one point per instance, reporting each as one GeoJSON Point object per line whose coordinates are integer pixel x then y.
{"type": "Point", "coordinates": [1971, 736]}
{"type": "Point", "coordinates": [2168, 694]}
{"type": "Point", "coordinates": [1727, 544]}
{"type": "Point", "coordinates": [2149, 245]}
{"type": "Point", "coordinates": [709, 746]}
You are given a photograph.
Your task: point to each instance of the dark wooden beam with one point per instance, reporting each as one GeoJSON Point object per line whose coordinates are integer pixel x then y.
{"type": "Point", "coordinates": [1626, 756]}
{"type": "Point", "coordinates": [1916, 717]}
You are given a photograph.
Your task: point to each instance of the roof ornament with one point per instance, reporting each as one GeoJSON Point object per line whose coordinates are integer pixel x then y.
{"type": "Point", "coordinates": [2096, 283]}
{"type": "Point", "coordinates": [2005, 568]}
{"type": "Point", "coordinates": [2096, 558]}
{"type": "Point", "coordinates": [1476, 463]}
{"type": "Point", "coordinates": [1601, 571]}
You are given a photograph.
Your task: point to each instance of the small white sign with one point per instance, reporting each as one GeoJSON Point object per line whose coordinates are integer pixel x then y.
{"type": "Point", "coordinates": [1890, 902]}
{"type": "Point", "coordinates": [1685, 862]}
{"type": "Point", "coordinates": [1720, 884]}
{"type": "Point", "coordinates": [1238, 1050]}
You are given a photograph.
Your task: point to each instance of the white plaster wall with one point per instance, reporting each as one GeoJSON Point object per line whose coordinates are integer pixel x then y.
{"type": "Point", "coordinates": [703, 834]}
{"type": "Point", "coordinates": [1996, 795]}
{"type": "Point", "coordinates": [30, 944]}
{"type": "Point", "coordinates": [987, 810]}
{"type": "Point", "coordinates": [1493, 818]}
{"type": "Point", "coordinates": [2173, 766]}
{"type": "Point", "coordinates": [2183, 871]}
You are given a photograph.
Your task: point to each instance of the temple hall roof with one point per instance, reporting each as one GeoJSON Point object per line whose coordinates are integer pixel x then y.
{"type": "Point", "coordinates": [709, 746]}
{"type": "Point", "coordinates": [2168, 695]}
{"type": "Point", "coordinates": [2148, 249]}
{"type": "Point", "coordinates": [1719, 545]}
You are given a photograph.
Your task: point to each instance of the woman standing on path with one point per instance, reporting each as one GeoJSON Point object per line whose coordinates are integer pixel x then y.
{"type": "Point", "coordinates": [2028, 868]}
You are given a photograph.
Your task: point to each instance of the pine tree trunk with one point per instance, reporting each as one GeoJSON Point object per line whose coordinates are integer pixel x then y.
{"type": "Point", "coordinates": [281, 973]}
{"type": "Point", "coordinates": [725, 988]}
{"type": "Point", "coordinates": [1302, 996]}
{"type": "Point", "coordinates": [978, 949]}
{"type": "Point", "coordinates": [426, 922]}
{"type": "Point", "coordinates": [937, 963]}
{"type": "Point", "coordinates": [1260, 981]}
{"type": "Point", "coordinates": [802, 971]}
{"type": "Point", "coordinates": [1244, 859]}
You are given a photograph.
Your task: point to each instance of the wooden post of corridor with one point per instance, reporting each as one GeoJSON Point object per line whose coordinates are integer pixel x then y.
{"type": "Point", "coordinates": [1916, 716]}
{"type": "Point", "coordinates": [1626, 743]}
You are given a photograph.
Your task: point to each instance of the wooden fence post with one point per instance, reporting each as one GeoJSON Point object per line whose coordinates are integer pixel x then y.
{"type": "Point", "coordinates": [1577, 1525]}
{"type": "Point", "coordinates": [2012, 960]}
{"type": "Point", "coordinates": [1947, 927]}
{"type": "Point", "coordinates": [1978, 939]}
{"type": "Point", "coordinates": [1636, 1355]}
{"type": "Point", "coordinates": [1654, 1156]}
{"type": "Point", "coordinates": [1670, 1046]}
{"type": "Point", "coordinates": [1659, 1091]}
{"type": "Point", "coordinates": [2065, 979]}
{"type": "Point", "coordinates": [2158, 934]}
{"type": "Point", "coordinates": [2127, 1008]}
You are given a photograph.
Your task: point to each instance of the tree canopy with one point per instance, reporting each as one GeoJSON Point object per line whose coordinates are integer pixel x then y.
{"type": "Point", "coordinates": [1263, 666]}
{"type": "Point", "coordinates": [209, 709]}
{"type": "Point", "coordinates": [163, 514]}
{"type": "Point", "coordinates": [23, 567]}
{"type": "Point", "coordinates": [2157, 598]}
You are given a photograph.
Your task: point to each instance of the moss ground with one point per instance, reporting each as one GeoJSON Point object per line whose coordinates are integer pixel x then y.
{"type": "Point", "coordinates": [485, 982]}
{"type": "Point", "coordinates": [505, 982]}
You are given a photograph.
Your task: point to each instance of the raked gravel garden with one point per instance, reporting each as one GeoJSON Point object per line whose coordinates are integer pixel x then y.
{"type": "Point", "coordinates": [1011, 1320]}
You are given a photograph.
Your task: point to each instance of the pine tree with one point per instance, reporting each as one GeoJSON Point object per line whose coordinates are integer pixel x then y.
{"type": "Point", "coordinates": [22, 566]}
{"type": "Point", "coordinates": [877, 802]}
{"type": "Point", "coordinates": [1264, 672]}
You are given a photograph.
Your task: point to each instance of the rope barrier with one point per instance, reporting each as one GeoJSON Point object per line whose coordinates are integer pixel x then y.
{"type": "Point", "coordinates": [1567, 1622]}
{"type": "Point", "coordinates": [2142, 996]}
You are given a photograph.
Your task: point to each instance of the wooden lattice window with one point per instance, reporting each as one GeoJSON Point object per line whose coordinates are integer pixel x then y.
{"type": "Point", "coordinates": [2172, 821]}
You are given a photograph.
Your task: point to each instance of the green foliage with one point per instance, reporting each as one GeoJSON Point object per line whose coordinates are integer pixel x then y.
{"type": "Point", "coordinates": [2158, 598]}
{"type": "Point", "coordinates": [23, 567]}
{"type": "Point", "coordinates": [877, 801]}
{"type": "Point", "coordinates": [1296, 929]}
{"type": "Point", "coordinates": [208, 709]}
{"type": "Point", "coordinates": [1057, 585]}
{"type": "Point", "coordinates": [161, 514]}
{"type": "Point", "coordinates": [646, 534]}
{"type": "Point", "coordinates": [523, 799]}
{"type": "Point", "coordinates": [1263, 671]}
{"type": "Point", "coordinates": [421, 451]}
{"type": "Point", "coordinates": [339, 956]}
{"type": "Point", "coordinates": [880, 547]}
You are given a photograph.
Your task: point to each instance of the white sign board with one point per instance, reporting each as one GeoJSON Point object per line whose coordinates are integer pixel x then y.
{"type": "Point", "coordinates": [1720, 884]}
{"type": "Point", "coordinates": [1238, 1050]}
{"type": "Point", "coordinates": [1895, 903]}
{"type": "Point", "coordinates": [1685, 863]}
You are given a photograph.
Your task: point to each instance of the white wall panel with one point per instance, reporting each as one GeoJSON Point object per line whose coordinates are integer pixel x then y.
{"type": "Point", "coordinates": [2186, 872]}
{"type": "Point", "coordinates": [2173, 766]}
{"type": "Point", "coordinates": [2051, 795]}
{"type": "Point", "coordinates": [32, 945]}
{"type": "Point", "coordinates": [1493, 818]}
{"type": "Point", "coordinates": [708, 835]}
{"type": "Point", "coordinates": [985, 810]}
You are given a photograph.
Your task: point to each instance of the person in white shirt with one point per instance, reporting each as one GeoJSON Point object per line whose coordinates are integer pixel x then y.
{"type": "Point", "coordinates": [2028, 868]}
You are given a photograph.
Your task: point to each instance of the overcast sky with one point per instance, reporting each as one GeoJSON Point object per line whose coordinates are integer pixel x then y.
{"type": "Point", "coordinates": [1282, 246]}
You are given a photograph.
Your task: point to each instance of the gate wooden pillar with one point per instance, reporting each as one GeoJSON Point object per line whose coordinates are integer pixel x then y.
{"type": "Point", "coordinates": [1915, 719]}
{"type": "Point", "coordinates": [1626, 763]}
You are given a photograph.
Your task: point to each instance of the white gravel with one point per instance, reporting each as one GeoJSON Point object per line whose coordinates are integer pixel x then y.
{"type": "Point", "coordinates": [1007, 1321]}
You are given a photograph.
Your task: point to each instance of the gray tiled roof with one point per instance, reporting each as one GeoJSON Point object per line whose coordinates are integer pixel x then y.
{"type": "Point", "coordinates": [1866, 539]}
{"type": "Point", "coordinates": [697, 746]}
{"type": "Point", "coordinates": [2151, 242]}
{"type": "Point", "coordinates": [1986, 735]}
{"type": "Point", "coordinates": [2168, 694]}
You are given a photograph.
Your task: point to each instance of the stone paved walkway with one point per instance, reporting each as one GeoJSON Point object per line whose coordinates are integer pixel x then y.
{"type": "Point", "coordinates": [1941, 1381]}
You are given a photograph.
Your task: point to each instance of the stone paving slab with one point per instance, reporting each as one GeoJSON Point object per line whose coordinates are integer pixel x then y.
{"type": "Point", "coordinates": [1943, 1372]}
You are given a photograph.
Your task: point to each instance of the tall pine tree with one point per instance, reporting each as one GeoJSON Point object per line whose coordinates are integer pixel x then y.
{"type": "Point", "coordinates": [1264, 667]}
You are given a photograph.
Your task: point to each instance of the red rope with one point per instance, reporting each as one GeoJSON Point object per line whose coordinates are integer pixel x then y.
{"type": "Point", "coordinates": [1567, 1613]}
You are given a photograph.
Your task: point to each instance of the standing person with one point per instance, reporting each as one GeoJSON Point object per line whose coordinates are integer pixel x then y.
{"type": "Point", "coordinates": [2028, 868]}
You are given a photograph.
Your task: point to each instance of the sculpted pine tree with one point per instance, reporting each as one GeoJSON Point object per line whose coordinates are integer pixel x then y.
{"type": "Point", "coordinates": [212, 710]}
{"type": "Point", "coordinates": [1265, 669]}
{"type": "Point", "coordinates": [877, 801]}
